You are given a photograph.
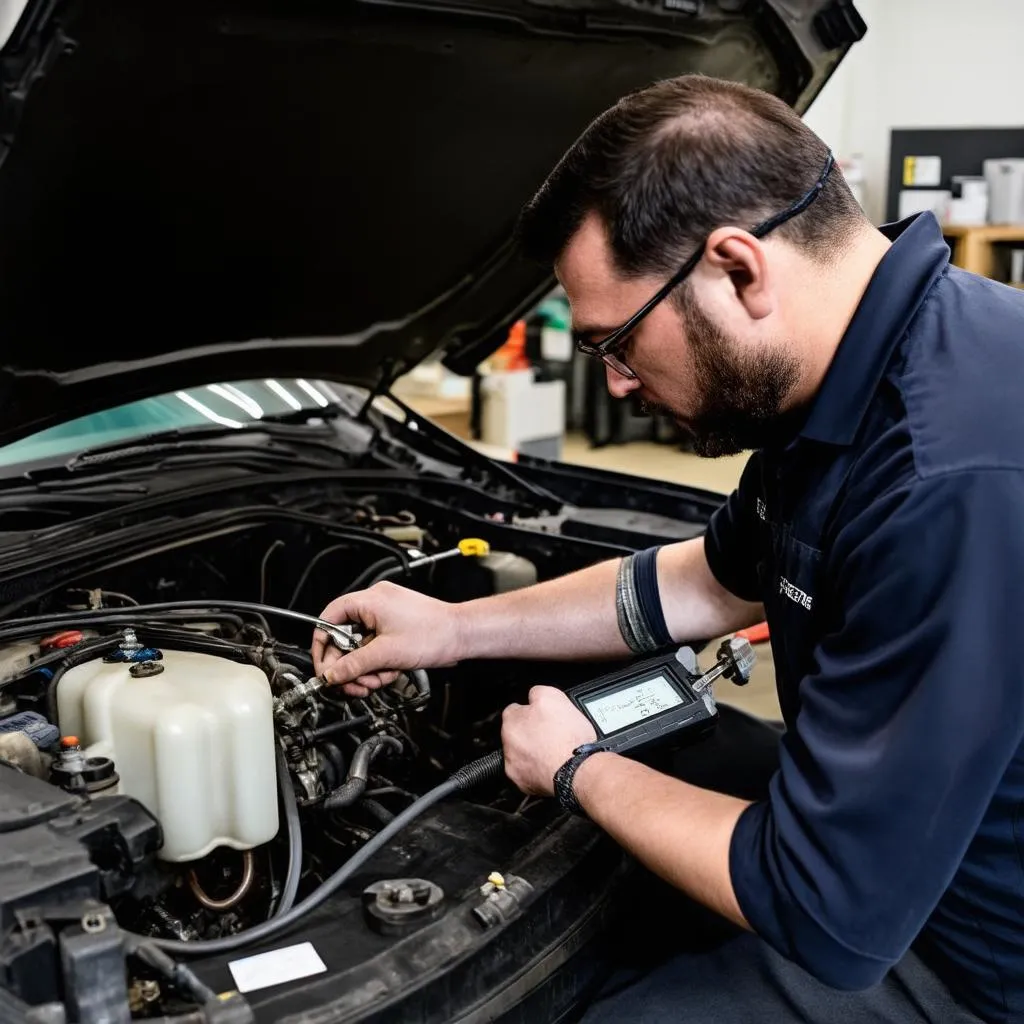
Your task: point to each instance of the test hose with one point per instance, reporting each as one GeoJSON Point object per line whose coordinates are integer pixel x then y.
{"type": "Point", "coordinates": [485, 769]}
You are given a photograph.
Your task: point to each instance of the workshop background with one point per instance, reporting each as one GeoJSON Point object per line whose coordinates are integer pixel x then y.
{"type": "Point", "coordinates": [926, 113]}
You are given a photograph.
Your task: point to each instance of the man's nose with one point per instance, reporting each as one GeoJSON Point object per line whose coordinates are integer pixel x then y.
{"type": "Point", "coordinates": [619, 386]}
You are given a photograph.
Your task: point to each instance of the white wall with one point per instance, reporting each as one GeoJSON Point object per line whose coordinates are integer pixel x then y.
{"type": "Point", "coordinates": [922, 64]}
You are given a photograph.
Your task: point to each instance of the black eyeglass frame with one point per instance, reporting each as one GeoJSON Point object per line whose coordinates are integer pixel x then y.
{"type": "Point", "coordinates": [605, 349]}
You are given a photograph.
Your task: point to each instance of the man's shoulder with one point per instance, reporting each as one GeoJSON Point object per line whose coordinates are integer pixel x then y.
{"type": "Point", "coordinates": [961, 379]}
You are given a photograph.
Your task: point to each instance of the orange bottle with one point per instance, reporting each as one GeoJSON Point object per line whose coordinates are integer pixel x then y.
{"type": "Point", "coordinates": [512, 354]}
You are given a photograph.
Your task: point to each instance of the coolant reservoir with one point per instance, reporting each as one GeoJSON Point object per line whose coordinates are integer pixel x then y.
{"type": "Point", "coordinates": [193, 743]}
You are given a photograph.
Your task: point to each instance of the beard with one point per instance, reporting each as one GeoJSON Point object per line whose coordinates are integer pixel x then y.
{"type": "Point", "coordinates": [742, 395]}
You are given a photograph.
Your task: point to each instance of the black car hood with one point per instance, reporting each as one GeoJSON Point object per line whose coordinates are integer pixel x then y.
{"type": "Point", "coordinates": [215, 189]}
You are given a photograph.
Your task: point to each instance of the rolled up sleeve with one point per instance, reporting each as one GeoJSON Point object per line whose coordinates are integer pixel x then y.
{"type": "Point", "coordinates": [904, 732]}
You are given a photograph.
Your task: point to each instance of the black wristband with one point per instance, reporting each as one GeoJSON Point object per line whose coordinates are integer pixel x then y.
{"type": "Point", "coordinates": [638, 603]}
{"type": "Point", "coordinates": [564, 791]}
{"type": "Point", "coordinates": [645, 576]}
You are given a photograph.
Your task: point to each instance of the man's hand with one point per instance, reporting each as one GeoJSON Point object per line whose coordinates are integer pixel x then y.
{"type": "Point", "coordinates": [539, 737]}
{"type": "Point", "coordinates": [412, 631]}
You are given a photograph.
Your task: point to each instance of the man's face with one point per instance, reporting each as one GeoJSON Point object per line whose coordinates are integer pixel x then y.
{"type": "Point", "coordinates": [727, 389]}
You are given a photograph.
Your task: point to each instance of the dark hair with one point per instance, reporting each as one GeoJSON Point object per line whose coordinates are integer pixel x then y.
{"type": "Point", "coordinates": [669, 164]}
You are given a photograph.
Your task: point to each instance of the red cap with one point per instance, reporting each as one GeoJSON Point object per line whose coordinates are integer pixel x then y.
{"type": "Point", "coordinates": [66, 638]}
{"type": "Point", "coordinates": [67, 742]}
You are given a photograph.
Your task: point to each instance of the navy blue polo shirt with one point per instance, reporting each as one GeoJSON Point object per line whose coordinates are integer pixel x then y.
{"type": "Point", "coordinates": [886, 540]}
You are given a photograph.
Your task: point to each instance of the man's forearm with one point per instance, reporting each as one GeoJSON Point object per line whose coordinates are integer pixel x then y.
{"type": "Point", "coordinates": [574, 617]}
{"type": "Point", "coordinates": [680, 832]}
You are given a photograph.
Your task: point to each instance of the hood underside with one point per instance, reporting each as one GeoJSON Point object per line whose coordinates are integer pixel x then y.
{"type": "Point", "coordinates": [211, 189]}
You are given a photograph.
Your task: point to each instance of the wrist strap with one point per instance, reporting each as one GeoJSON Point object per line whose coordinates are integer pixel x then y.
{"type": "Point", "coordinates": [638, 603]}
{"type": "Point", "coordinates": [564, 791]}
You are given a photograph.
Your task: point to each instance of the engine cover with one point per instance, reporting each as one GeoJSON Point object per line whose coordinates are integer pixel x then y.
{"type": "Point", "coordinates": [193, 742]}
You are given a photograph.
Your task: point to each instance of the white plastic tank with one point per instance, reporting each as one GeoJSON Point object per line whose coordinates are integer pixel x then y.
{"type": "Point", "coordinates": [193, 743]}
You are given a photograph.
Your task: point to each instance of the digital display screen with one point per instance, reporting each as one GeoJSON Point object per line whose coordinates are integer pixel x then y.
{"type": "Point", "coordinates": [623, 708]}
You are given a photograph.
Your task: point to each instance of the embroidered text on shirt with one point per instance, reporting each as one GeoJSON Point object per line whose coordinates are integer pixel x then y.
{"type": "Point", "coordinates": [762, 510]}
{"type": "Point", "coordinates": [795, 593]}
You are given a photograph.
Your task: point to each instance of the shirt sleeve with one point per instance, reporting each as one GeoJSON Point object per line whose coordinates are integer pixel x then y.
{"type": "Point", "coordinates": [730, 542]}
{"type": "Point", "coordinates": [904, 731]}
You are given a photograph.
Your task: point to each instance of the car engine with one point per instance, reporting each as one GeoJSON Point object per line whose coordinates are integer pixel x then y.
{"type": "Point", "coordinates": [172, 771]}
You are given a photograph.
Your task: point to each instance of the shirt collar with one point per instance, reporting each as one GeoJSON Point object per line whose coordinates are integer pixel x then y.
{"type": "Point", "coordinates": [899, 285]}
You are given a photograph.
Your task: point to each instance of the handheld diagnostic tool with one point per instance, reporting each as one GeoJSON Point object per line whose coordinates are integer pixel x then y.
{"type": "Point", "coordinates": [658, 700]}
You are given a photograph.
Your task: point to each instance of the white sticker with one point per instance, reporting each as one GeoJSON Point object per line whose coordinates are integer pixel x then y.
{"type": "Point", "coordinates": [276, 967]}
{"type": "Point", "coordinates": [922, 171]}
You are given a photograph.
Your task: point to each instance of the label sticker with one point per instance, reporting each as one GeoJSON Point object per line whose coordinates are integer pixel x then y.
{"type": "Point", "coordinates": [922, 171]}
{"type": "Point", "coordinates": [276, 967]}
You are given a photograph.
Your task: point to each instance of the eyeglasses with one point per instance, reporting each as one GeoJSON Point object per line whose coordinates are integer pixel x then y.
{"type": "Point", "coordinates": [609, 348]}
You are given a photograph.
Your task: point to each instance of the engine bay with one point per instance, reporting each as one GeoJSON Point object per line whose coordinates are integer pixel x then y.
{"type": "Point", "coordinates": [174, 776]}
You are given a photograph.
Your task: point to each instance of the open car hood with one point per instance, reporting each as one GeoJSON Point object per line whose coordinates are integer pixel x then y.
{"type": "Point", "coordinates": [210, 189]}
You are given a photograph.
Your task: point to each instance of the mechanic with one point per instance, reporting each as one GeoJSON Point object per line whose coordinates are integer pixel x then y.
{"type": "Point", "coordinates": [716, 260]}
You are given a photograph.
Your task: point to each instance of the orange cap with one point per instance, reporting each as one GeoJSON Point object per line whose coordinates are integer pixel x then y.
{"type": "Point", "coordinates": [66, 638]}
{"type": "Point", "coordinates": [69, 741]}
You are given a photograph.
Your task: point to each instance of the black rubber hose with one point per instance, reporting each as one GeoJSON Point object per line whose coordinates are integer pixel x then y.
{"type": "Point", "coordinates": [74, 658]}
{"type": "Point", "coordinates": [336, 763]}
{"type": "Point", "coordinates": [484, 770]}
{"type": "Point", "coordinates": [294, 826]}
{"type": "Point", "coordinates": [142, 611]}
{"type": "Point", "coordinates": [308, 571]}
{"type": "Point", "coordinates": [16, 629]}
{"type": "Point", "coordinates": [311, 736]}
{"type": "Point", "coordinates": [389, 791]}
{"type": "Point", "coordinates": [377, 571]}
{"type": "Point", "coordinates": [359, 771]}
{"type": "Point", "coordinates": [476, 773]}
{"type": "Point", "coordinates": [397, 555]}
{"type": "Point", "coordinates": [378, 811]}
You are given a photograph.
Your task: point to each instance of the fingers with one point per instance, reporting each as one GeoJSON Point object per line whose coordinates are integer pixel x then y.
{"type": "Point", "coordinates": [362, 686]}
{"type": "Point", "coordinates": [330, 656]}
{"type": "Point", "coordinates": [317, 651]}
{"type": "Point", "coordinates": [344, 609]}
{"type": "Point", "coordinates": [323, 651]}
{"type": "Point", "coordinates": [369, 660]}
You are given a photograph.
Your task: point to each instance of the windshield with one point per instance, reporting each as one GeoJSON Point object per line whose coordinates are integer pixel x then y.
{"type": "Point", "coordinates": [236, 405]}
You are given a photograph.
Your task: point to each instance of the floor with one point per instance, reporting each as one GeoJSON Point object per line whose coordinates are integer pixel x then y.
{"type": "Point", "coordinates": [665, 462]}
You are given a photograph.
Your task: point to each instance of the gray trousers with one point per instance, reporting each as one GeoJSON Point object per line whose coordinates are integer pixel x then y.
{"type": "Point", "coordinates": [708, 971]}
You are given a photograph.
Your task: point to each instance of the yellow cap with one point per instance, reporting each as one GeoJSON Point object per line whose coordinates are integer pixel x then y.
{"type": "Point", "coordinates": [496, 879]}
{"type": "Point", "coordinates": [474, 547]}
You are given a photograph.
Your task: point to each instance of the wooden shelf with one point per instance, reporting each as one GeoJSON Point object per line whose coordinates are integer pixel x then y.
{"type": "Point", "coordinates": [972, 247]}
{"type": "Point", "coordinates": [988, 232]}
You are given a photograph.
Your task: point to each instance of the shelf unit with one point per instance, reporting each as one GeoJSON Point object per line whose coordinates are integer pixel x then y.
{"type": "Point", "coordinates": [974, 247]}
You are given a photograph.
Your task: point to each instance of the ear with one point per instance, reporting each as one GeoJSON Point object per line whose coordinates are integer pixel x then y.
{"type": "Point", "coordinates": [741, 256]}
